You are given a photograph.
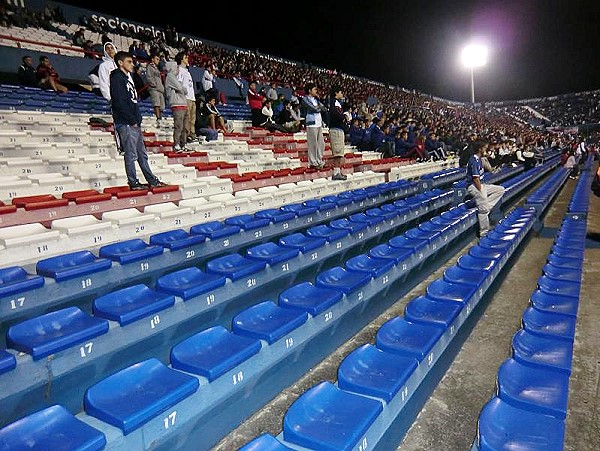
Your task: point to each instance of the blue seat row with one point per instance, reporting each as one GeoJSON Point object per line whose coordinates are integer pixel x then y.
{"type": "Point", "coordinates": [580, 200]}
{"type": "Point", "coordinates": [376, 383]}
{"type": "Point", "coordinates": [79, 276]}
{"type": "Point", "coordinates": [542, 197]}
{"type": "Point", "coordinates": [184, 300]}
{"type": "Point", "coordinates": [516, 185]}
{"type": "Point", "coordinates": [151, 404]}
{"type": "Point", "coordinates": [529, 407]}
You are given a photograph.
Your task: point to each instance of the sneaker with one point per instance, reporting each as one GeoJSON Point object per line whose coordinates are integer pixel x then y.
{"type": "Point", "coordinates": [483, 233]}
{"type": "Point", "coordinates": [177, 148]}
{"type": "Point", "coordinates": [158, 123]}
{"type": "Point", "coordinates": [339, 176]}
{"type": "Point", "coordinates": [138, 186]}
{"type": "Point", "coordinates": [157, 184]}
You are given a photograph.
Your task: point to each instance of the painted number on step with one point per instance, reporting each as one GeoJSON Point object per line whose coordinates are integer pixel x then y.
{"type": "Point", "coordinates": [86, 283]}
{"type": "Point", "coordinates": [289, 342]}
{"type": "Point", "coordinates": [238, 378]}
{"type": "Point", "coordinates": [210, 299]}
{"type": "Point", "coordinates": [251, 283]}
{"type": "Point", "coordinates": [363, 445]}
{"type": "Point", "coordinates": [170, 420]}
{"type": "Point", "coordinates": [328, 316]}
{"type": "Point", "coordinates": [154, 322]}
{"type": "Point", "coordinates": [86, 349]}
{"type": "Point", "coordinates": [16, 303]}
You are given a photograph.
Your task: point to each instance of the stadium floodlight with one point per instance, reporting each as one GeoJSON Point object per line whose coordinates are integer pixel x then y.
{"type": "Point", "coordinates": [474, 56]}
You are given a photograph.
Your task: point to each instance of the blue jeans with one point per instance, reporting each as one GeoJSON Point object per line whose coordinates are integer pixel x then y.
{"type": "Point", "coordinates": [132, 144]}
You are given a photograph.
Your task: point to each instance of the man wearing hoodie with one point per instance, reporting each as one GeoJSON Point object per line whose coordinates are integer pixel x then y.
{"type": "Point", "coordinates": [175, 93]}
{"type": "Point", "coordinates": [127, 120]}
{"type": "Point", "coordinates": [106, 67]}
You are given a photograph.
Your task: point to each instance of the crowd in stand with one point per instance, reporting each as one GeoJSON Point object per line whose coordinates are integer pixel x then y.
{"type": "Point", "coordinates": [379, 117]}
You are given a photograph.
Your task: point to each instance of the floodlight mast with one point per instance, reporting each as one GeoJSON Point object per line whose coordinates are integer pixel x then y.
{"type": "Point", "coordinates": [474, 56]}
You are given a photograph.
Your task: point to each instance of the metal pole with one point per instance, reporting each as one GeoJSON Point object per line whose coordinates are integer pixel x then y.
{"type": "Point", "coordinates": [472, 87]}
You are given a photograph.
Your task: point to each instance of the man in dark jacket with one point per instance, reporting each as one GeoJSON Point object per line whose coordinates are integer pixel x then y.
{"type": "Point", "coordinates": [337, 131]}
{"type": "Point", "coordinates": [127, 121]}
{"type": "Point", "coordinates": [27, 75]}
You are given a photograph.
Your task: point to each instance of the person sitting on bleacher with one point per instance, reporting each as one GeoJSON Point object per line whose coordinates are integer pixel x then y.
{"type": "Point", "coordinates": [26, 73]}
{"type": "Point", "coordinates": [48, 76]}
{"type": "Point", "coordinates": [215, 120]}
{"type": "Point", "coordinates": [356, 132]}
{"type": "Point", "coordinates": [434, 147]}
{"type": "Point", "coordinates": [486, 196]}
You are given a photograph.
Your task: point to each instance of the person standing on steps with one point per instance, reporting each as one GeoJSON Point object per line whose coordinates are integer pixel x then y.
{"type": "Point", "coordinates": [337, 131]}
{"type": "Point", "coordinates": [486, 196]}
{"type": "Point", "coordinates": [127, 120]}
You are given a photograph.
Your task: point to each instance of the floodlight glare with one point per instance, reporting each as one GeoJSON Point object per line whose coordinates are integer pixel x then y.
{"type": "Point", "coordinates": [474, 56]}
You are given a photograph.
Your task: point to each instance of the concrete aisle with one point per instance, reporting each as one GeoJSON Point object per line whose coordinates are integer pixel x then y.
{"type": "Point", "coordinates": [448, 420]}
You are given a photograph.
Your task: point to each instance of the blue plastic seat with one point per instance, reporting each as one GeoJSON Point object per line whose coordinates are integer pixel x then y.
{"type": "Point", "coordinates": [562, 251]}
{"type": "Point", "coordinates": [133, 396]}
{"type": "Point", "coordinates": [247, 221]}
{"type": "Point", "coordinates": [189, 282]}
{"type": "Point", "coordinates": [342, 279]}
{"type": "Point", "coordinates": [16, 279]}
{"type": "Point", "coordinates": [275, 215]}
{"type": "Point", "coordinates": [346, 224]}
{"type": "Point", "coordinates": [538, 390]}
{"type": "Point", "coordinates": [370, 371]}
{"type": "Point", "coordinates": [565, 262]}
{"type": "Point", "coordinates": [213, 352]}
{"type": "Point", "coordinates": [271, 253]}
{"type": "Point", "coordinates": [385, 251]}
{"type": "Point", "coordinates": [381, 213]}
{"type": "Point", "coordinates": [130, 251]}
{"type": "Point", "coordinates": [504, 427]}
{"type": "Point", "coordinates": [441, 290]}
{"type": "Point", "coordinates": [302, 242]}
{"type": "Point", "coordinates": [328, 418]}
{"type": "Point", "coordinates": [417, 244]}
{"type": "Point", "coordinates": [556, 273]}
{"type": "Point", "coordinates": [406, 338]}
{"type": "Point", "coordinates": [551, 325]}
{"type": "Point", "coordinates": [67, 266]}
{"type": "Point", "coordinates": [329, 233]}
{"type": "Point", "coordinates": [485, 253]}
{"type": "Point", "coordinates": [552, 303]}
{"type": "Point", "coordinates": [264, 442]}
{"type": "Point", "coordinates": [234, 266]}
{"type": "Point", "coordinates": [495, 244]}
{"type": "Point", "coordinates": [476, 264]}
{"type": "Point", "coordinates": [371, 265]}
{"type": "Point", "coordinates": [364, 218]}
{"type": "Point", "coordinates": [267, 321]}
{"type": "Point", "coordinates": [215, 229]}
{"type": "Point", "coordinates": [52, 428]}
{"type": "Point", "coordinates": [177, 239]}
{"type": "Point", "coordinates": [52, 332]}
{"type": "Point", "coordinates": [559, 287]}
{"type": "Point", "coordinates": [8, 361]}
{"type": "Point", "coordinates": [131, 304]}
{"type": "Point", "coordinates": [423, 310]}
{"type": "Point", "coordinates": [299, 209]}
{"type": "Point", "coordinates": [309, 298]}
{"type": "Point", "coordinates": [319, 204]}
{"type": "Point", "coordinates": [456, 274]}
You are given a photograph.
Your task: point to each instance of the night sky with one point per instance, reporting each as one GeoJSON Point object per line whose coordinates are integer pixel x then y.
{"type": "Point", "coordinates": [536, 47]}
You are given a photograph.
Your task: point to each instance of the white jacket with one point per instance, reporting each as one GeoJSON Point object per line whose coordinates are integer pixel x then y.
{"type": "Point", "coordinates": [186, 80]}
{"type": "Point", "coordinates": [106, 67]}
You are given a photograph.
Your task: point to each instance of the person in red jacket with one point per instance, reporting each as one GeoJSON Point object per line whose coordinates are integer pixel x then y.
{"type": "Point", "coordinates": [255, 100]}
